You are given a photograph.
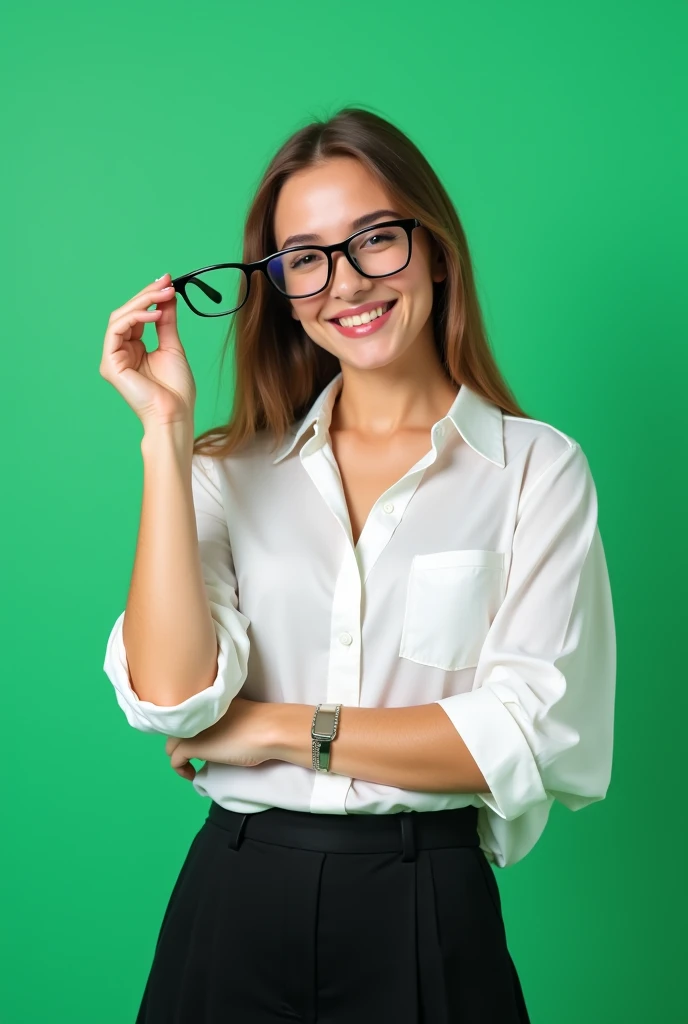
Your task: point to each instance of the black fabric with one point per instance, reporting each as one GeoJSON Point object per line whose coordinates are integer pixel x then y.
{"type": "Point", "coordinates": [287, 916]}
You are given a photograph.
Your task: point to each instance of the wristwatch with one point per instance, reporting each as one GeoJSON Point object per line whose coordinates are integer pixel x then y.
{"type": "Point", "coordinates": [323, 731]}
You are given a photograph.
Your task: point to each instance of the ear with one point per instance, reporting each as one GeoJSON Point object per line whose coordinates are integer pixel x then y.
{"type": "Point", "coordinates": [438, 266]}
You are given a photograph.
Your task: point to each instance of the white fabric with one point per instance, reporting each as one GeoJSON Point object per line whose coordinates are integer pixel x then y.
{"type": "Point", "coordinates": [479, 582]}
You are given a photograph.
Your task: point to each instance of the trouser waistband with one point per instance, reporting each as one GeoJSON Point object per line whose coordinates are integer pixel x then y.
{"type": "Point", "coordinates": [404, 831]}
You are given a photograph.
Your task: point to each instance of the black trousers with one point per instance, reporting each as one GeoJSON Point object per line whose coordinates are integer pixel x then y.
{"type": "Point", "coordinates": [286, 916]}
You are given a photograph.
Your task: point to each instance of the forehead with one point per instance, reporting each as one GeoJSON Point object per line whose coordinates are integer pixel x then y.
{"type": "Point", "coordinates": [324, 199]}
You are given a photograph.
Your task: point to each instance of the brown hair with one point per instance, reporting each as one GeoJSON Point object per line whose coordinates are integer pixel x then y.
{"type": "Point", "coordinates": [278, 369]}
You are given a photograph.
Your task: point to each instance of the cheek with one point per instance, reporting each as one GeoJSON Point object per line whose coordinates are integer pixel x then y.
{"type": "Point", "coordinates": [417, 288]}
{"type": "Point", "coordinates": [306, 310]}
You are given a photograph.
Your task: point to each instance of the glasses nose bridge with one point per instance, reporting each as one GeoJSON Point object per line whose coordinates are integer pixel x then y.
{"type": "Point", "coordinates": [345, 257]}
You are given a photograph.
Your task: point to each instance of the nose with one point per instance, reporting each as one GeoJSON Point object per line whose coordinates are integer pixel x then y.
{"type": "Point", "coordinates": [346, 280]}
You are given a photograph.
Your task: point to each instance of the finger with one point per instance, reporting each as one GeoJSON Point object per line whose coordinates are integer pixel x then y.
{"type": "Point", "coordinates": [182, 765]}
{"type": "Point", "coordinates": [128, 327]}
{"type": "Point", "coordinates": [172, 743]}
{"type": "Point", "coordinates": [159, 282]}
{"type": "Point", "coordinates": [179, 756]}
{"type": "Point", "coordinates": [166, 325]}
{"type": "Point", "coordinates": [146, 297]}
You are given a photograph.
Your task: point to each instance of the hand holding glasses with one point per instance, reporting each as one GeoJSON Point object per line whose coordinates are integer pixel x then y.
{"type": "Point", "coordinates": [299, 271]}
{"type": "Point", "coordinates": [159, 385]}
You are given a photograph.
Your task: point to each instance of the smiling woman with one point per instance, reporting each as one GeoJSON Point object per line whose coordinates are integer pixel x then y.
{"type": "Point", "coordinates": [328, 181]}
{"type": "Point", "coordinates": [387, 592]}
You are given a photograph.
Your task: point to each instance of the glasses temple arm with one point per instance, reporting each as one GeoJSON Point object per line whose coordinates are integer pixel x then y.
{"type": "Point", "coordinates": [207, 289]}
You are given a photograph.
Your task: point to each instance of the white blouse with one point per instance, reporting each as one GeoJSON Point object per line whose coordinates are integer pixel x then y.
{"type": "Point", "coordinates": [479, 582]}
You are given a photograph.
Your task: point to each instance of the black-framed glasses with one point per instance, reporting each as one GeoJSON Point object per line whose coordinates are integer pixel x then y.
{"type": "Point", "coordinates": [299, 271]}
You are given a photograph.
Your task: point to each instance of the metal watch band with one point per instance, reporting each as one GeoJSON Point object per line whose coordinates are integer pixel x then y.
{"type": "Point", "coordinates": [322, 738]}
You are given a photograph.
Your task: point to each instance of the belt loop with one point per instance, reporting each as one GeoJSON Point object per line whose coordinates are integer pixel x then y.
{"type": "Point", "coordinates": [235, 841]}
{"type": "Point", "coordinates": [407, 835]}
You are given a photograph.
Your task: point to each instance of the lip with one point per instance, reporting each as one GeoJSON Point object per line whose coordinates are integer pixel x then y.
{"type": "Point", "coordinates": [357, 310]}
{"type": "Point", "coordinates": [363, 330]}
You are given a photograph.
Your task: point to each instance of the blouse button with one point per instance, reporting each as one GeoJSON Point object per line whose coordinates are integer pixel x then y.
{"type": "Point", "coordinates": [388, 506]}
{"type": "Point", "coordinates": [345, 638]}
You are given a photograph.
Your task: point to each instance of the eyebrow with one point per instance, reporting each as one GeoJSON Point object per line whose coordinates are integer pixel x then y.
{"type": "Point", "coordinates": [359, 222]}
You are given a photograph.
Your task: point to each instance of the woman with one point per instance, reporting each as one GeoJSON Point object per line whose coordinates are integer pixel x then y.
{"type": "Point", "coordinates": [417, 570]}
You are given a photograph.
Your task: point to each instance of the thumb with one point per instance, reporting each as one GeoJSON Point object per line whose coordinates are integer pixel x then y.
{"type": "Point", "coordinates": [166, 326]}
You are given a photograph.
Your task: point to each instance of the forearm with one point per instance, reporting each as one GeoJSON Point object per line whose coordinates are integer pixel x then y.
{"type": "Point", "coordinates": [168, 630]}
{"type": "Point", "coordinates": [413, 748]}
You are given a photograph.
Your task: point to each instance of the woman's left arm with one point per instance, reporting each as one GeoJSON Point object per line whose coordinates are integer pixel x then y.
{"type": "Point", "coordinates": [414, 748]}
{"type": "Point", "coordinates": [408, 747]}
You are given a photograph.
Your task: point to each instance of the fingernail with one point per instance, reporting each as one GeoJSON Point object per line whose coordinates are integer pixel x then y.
{"type": "Point", "coordinates": [161, 277]}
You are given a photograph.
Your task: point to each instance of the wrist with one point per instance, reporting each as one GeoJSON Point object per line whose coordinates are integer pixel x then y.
{"type": "Point", "coordinates": [177, 436]}
{"type": "Point", "coordinates": [288, 734]}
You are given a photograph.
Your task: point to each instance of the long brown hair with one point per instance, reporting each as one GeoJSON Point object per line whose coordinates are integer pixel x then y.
{"type": "Point", "coordinates": [278, 369]}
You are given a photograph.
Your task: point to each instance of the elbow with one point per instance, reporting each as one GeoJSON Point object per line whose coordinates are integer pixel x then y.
{"type": "Point", "coordinates": [159, 707]}
{"type": "Point", "coordinates": [164, 694]}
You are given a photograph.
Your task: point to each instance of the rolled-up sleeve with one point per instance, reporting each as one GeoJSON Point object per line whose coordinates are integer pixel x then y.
{"type": "Point", "coordinates": [539, 719]}
{"type": "Point", "coordinates": [206, 707]}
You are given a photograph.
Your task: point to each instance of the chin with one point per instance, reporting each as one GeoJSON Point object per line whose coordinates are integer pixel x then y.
{"type": "Point", "coordinates": [363, 354]}
{"type": "Point", "coordinates": [373, 361]}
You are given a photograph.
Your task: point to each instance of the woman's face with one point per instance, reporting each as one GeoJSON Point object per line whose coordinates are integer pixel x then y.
{"type": "Point", "coordinates": [324, 201]}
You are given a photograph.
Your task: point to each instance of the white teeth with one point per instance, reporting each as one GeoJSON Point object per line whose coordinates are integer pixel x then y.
{"type": "Point", "coordinates": [364, 318]}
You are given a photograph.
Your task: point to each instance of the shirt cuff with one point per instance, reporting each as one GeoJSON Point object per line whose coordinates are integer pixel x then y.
{"type": "Point", "coordinates": [498, 747]}
{"type": "Point", "coordinates": [197, 712]}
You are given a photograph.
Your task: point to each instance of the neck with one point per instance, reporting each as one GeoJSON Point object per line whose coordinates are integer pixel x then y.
{"type": "Point", "coordinates": [404, 395]}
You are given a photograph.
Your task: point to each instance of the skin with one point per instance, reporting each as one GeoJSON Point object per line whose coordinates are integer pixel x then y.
{"type": "Point", "coordinates": [394, 389]}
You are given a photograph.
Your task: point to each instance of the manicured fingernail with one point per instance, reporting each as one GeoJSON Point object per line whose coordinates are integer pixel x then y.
{"type": "Point", "coordinates": [161, 277]}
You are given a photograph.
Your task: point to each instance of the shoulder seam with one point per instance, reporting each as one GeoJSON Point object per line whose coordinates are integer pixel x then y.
{"type": "Point", "coordinates": [562, 455]}
{"type": "Point", "coordinates": [526, 419]}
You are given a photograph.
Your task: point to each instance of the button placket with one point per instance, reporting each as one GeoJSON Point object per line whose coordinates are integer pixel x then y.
{"type": "Point", "coordinates": [383, 521]}
{"type": "Point", "coordinates": [343, 680]}
{"type": "Point", "coordinates": [319, 462]}
{"type": "Point", "coordinates": [344, 672]}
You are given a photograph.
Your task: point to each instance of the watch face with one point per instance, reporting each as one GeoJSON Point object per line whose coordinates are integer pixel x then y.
{"type": "Point", "coordinates": [324, 724]}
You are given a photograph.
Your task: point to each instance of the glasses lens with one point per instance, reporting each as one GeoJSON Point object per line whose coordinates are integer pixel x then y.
{"type": "Point", "coordinates": [299, 273]}
{"type": "Point", "coordinates": [217, 291]}
{"type": "Point", "coordinates": [380, 251]}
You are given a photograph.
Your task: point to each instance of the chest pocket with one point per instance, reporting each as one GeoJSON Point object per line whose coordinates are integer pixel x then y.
{"type": "Point", "coordinates": [451, 600]}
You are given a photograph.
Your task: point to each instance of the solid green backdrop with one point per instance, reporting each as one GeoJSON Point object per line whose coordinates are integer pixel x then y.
{"type": "Point", "coordinates": [134, 136]}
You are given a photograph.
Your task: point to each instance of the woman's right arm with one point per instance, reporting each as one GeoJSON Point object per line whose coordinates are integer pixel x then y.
{"type": "Point", "coordinates": [168, 632]}
{"type": "Point", "coordinates": [178, 653]}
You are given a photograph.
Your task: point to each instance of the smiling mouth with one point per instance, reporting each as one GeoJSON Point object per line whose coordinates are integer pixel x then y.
{"type": "Point", "coordinates": [363, 318]}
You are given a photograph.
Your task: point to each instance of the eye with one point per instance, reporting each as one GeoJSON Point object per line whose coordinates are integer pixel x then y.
{"type": "Point", "coordinates": [304, 260]}
{"type": "Point", "coordinates": [379, 236]}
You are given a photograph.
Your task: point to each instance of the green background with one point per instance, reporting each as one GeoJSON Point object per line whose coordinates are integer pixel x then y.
{"type": "Point", "coordinates": [134, 136]}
